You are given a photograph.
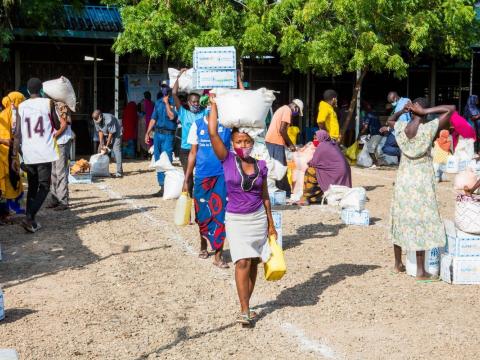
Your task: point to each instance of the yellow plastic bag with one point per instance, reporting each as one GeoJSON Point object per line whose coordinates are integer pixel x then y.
{"type": "Point", "coordinates": [183, 210]}
{"type": "Point", "coordinates": [275, 267]}
{"type": "Point", "coordinates": [352, 152]}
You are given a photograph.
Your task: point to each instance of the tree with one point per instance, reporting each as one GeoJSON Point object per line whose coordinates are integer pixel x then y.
{"type": "Point", "coordinates": [327, 37]}
{"type": "Point", "coordinates": [38, 14]}
{"type": "Point", "coordinates": [331, 37]}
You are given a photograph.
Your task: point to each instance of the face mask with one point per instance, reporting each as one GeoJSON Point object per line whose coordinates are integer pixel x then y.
{"type": "Point", "coordinates": [394, 103]}
{"type": "Point", "coordinates": [295, 113]}
{"type": "Point", "coordinates": [243, 152]}
{"type": "Point", "coordinates": [315, 143]}
{"type": "Point", "coordinates": [194, 108]}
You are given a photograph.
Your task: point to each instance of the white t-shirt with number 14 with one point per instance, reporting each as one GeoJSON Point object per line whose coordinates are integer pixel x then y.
{"type": "Point", "coordinates": [38, 144]}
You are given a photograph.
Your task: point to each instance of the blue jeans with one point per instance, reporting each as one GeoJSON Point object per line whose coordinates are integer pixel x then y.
{"type": "Point", "coordinates": [162, 143]}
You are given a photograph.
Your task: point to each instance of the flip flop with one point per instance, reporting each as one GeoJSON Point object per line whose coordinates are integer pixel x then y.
{"type": "Point", "coordinates": [203, 254]}
{"type": "Point", "coordinates": [221, 265]}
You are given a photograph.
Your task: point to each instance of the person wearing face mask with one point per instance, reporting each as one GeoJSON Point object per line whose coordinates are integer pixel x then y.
{"type": "Point", "coordinates": [398, 104]}
{"type": "Point", "coordinates": [327, 117]}
{"type": "Point", "coordinates": [209, 191]}
{"type": "Point", "coordinates": [277, 137]}
{"type": "Point", "coordinates": [248, 220]}
{"type": "Point", "coordinates": [163, 124]}
{"type": "Point", "coordinates": [187, 115]}
{"type": "Point", "coordinates": [110, 136]}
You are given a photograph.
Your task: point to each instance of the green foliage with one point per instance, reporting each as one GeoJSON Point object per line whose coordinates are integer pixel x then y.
{"type": "Point", "coordinates": [324, 36]}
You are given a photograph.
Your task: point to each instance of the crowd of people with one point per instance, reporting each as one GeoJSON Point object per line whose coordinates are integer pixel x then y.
{"type": "Point", "coordinates": [230, 187]}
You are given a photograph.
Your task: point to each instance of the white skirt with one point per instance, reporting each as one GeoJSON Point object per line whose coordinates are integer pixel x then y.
{"type": "Point", "coordinates": [247, 235]}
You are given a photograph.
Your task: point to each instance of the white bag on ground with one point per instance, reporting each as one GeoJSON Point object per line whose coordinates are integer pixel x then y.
{"type": "Point", "coordinates": [172, 187]}
{"type": "Point", "coordinates": [465, 149]}
{"type": "Point", "coordinates": [467, 214]}
{"type": "Point", "coordinates": [99, 165]}
{"type": "Point", "coordinates": [364, 159]}
{"type": "Point", "coordinates": [276, 170]}
{"type": "Point", "coordinates": [335, 194]}
{"type": "Point", "coordinates": [432, 262]}
{"type": "Point", "coordinates": [185, 83]}
{"type": "Point", "coordinates": [355, 199]}
{"type": "Point", "coordinates": [61, 89]}
{"type": "Point", "coordinates": [164, 163]}
{"type": "Point", "coordinates": [243, 108]}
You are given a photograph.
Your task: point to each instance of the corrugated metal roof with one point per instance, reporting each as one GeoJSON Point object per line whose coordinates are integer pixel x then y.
{"type": "Point", "coordinates": [91, 22]}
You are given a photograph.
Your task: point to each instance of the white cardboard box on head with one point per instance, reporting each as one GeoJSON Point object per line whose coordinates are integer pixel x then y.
{"type": "Point", "coordinates": [460, 243]}
{"type": "Point", "coordinates": [460, 270]}
{"type": "Point", "coordinates": [354, 217]}
{"type": "Point", "coordinates": [215, 58]}
{"type": "Point", "coordinates": [209, 79]}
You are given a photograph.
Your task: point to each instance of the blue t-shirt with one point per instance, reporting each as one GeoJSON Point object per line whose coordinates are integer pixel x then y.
{"type": "Point", "coordinates": [207, 163]}
{"type": "Point", "coordinates": [187, 118]}
{"type": "Point", "coordinates": [373, 123]}
{"type": "Point", "coordinates": [160, 116]}
{"type": "Point", "coordinates": [399, 107]}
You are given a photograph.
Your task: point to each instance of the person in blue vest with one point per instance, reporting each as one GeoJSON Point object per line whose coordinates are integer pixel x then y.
{"type": "Point", "coordinates": [163, 122]}
{"type": "Point", "coordinates": [188, 114]}
{"type": "Point", "coordinates": [209, 190]}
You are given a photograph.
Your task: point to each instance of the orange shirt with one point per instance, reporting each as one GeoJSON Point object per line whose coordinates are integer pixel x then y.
{"type": "Point", "coordinates": [283, 114]}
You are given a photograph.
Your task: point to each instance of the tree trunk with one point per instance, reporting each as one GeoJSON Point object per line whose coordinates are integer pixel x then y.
{"type": "Point", "coordinates": [353, 103]}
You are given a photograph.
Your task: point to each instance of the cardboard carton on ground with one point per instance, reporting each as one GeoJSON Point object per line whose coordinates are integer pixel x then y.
{"type": "Point", "coordinates": [354, 217]}
{"type": "Point", "coordinates": [460, 270]}
{"type": "Point", "coordinates": [460, 243]}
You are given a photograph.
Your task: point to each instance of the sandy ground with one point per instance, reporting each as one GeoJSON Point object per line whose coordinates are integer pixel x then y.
{"type": "Point", "coordinates": [113, 278]}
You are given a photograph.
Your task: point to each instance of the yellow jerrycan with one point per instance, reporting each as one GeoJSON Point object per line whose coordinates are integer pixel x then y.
{"type": "Point", "coordinates": [275, 267]}
{"type": "Point", "coordinates": [183, 210]}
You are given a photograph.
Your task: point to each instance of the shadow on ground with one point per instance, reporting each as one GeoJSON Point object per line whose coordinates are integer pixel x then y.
{"type": "Point", "coordinates": [311, 231]}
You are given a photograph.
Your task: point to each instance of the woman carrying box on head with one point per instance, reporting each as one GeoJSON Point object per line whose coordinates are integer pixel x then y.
{"type": "Point", "coordinates": [248, 220]}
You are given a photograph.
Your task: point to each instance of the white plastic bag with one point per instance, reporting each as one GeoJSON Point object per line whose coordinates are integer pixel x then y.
{"type": "Point", "coordinates": [364, 159]}
{"type": "Point", "coordinates": [465, 149]}
{"type": "Point", "coordinates": [61, 90]}
{"type": "Point", "coordinates": [185, 84]}
{"type": "Point", "coordinates": [243, 108]}
{"type": "Point", "coordinates": [335, 194]}
{"type": "Point", "coordinates": [172, 188]}
{"type": "Point", "coordinates": [355, 199]}
{"type": "Point", "coordinates": [163, 163]}
{"type": "Point", "coordinates": [465, 178]}
{"type": "Point", "coordinates": [99, 165]}
{"type": "Point", "coordinates": [276, 170]}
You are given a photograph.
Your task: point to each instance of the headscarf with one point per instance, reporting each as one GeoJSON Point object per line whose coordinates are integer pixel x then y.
{"type": "Point", "coordinates": [15, 98]}
{"type": "Point", "coordinates": [461, 128]}
{"type": "Point", "coordinates": [330, 164]}
{"type": "Point", "coordinates": [443, 140]}
{"type": "Point", "coordinates": [471, 108]}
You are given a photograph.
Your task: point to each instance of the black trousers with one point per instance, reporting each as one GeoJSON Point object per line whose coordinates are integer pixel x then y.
{"type": "Point", "coordinates": [39, 177]}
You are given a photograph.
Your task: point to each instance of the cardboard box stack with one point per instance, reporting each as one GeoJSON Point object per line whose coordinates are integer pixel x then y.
{"type": "Point", "coordinates": [215, 67]}
{"type": "Point", "coordinates": [461, 262]}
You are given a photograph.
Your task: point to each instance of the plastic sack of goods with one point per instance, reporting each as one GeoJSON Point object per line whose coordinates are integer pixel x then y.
{"type": "Point", "coordinates": [99, 165]}
{"type": "Point", "coordinates": [61, 89]}
{"type": "Point", "coordinates": [185, 84]}
{"type": "Point", "coordinates": [243, 108]}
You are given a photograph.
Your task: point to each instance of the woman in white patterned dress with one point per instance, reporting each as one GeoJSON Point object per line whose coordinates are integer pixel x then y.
{"type": "Point", "coordinates": [415, 220]}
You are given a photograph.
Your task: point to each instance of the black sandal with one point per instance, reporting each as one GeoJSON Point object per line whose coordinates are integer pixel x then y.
{"type": "Point", "coordinates": [203, 254]}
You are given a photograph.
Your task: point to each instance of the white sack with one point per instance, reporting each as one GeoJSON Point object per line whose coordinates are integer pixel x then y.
{"type": "Point", "coordinates": [172, 188]}
{"type": "Point", "coordinates": [276, 170]}
{"type": "Point", "coordinates": [335, 194]}
{"type": "Point", "coordinates": [465, 149]}
{"type": "Point", "coordinates": [364, 159]}
{"type": "Point", "coordinates": [185, 84]}
{"type": "Point", "coordinates": [61, 90]}
{"type": "Point", "coordinates": [432, 262]}
{"type": "Point", "coordinates": [243, 108]}
{"type": "Point", "coordinates": [99, 165]}
{"type": "Point", "coordinates": [355, 199]}
{"type": "Point", "coordinates": [163, 163]}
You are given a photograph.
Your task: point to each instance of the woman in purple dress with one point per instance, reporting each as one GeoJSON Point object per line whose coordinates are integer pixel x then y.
{"type": "Point", "coordinates": [248, 219]}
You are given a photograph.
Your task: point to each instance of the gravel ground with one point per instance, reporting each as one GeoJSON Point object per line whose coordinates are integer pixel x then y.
{"type": "Point", "coordinates": [113, 278]}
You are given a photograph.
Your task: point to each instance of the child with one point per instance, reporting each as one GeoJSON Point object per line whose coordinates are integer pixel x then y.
{"type": "Point", "coordinates": [441, 152]}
